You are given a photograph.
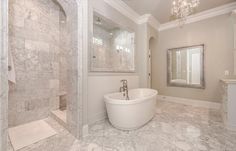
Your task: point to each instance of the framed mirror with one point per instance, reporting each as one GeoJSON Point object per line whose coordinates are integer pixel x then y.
{"type": "Point", "coordinates": [112, 48]}
{"type": "Point", "coordinates": [186, 67]}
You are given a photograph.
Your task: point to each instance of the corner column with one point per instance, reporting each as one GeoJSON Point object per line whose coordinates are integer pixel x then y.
{"type": "Point", "coordinates": [3, 74]}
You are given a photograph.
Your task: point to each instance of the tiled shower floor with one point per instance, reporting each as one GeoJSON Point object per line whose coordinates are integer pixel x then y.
{"type": "Point", "coordinates": [174, 128]}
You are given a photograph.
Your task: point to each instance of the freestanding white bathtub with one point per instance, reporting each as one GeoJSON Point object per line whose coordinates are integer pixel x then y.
{"type": "Point", "coordinates": [134, 113]}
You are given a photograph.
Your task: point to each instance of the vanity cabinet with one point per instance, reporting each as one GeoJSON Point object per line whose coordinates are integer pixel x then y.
{"type": "Point", "coordinates": [229, 103]}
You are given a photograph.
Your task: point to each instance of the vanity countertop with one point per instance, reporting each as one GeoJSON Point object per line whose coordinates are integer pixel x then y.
{"type": "Point", "coordinates": [229, 81]}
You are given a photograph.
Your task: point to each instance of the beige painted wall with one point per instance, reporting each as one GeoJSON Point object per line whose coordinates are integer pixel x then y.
{"type": "Point", "coordinates": [217, 35]}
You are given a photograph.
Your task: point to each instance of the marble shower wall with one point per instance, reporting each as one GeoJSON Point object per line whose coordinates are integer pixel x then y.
{"type": "Point", "coordinates": [113, 49]}
{"type": "Point", "coordinates": [3, 75]}
{"type": "Point", "coordinates": [35, 43]}
{"type": "Point", "coordinates": [76, 12]}
{"type": "Point", "coordinates": [76, 56]}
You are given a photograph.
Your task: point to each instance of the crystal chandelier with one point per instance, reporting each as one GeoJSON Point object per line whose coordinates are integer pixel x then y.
{"type": "Point", "coordinates": [183, 8]}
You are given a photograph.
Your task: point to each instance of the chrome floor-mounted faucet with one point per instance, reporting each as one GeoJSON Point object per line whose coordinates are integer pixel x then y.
{"type": "Point", "coordinates": [124, 89]}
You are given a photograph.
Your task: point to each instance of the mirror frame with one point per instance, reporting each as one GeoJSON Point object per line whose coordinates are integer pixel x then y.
{"type": "Point", "coordinates": [95, 11]}
{"type": "Point", "coordinates": [202, 74]}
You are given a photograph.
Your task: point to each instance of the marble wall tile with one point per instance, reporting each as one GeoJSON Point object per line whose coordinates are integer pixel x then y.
{"type": "Point", "coordinates": [37, 45]}
{"type": "Point", "coordinates": [3, 74]}
{"type": "Point", "coordinates": [34, 31]}
{"type": "Point", "coordinates": [31, 42]}
{"type": "Point", "coordinates": [74, 11]}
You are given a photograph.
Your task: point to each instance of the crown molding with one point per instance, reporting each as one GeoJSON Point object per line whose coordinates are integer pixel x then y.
{"type": "Point", "coordinates": [124, 9]}
{"type": "Point", "coordinates": [143, 19]}
{"type": "Point", "coordinates": [228, 8]}
{"type": "Point", "coordinates": [149, 19]}
{"type": "Point", "coordinates": [154, 22]}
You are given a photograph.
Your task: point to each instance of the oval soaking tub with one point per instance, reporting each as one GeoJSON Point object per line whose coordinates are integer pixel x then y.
{"type": "Point", "coordinates": [133, 113]}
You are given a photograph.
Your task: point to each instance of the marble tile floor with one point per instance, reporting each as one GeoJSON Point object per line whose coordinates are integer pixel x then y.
{"type": "Point", "coordinates": [175, 127]}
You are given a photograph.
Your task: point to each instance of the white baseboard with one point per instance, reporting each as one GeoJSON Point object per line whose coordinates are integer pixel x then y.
{"type": "Point", "coordinates": [98, 117]}
{"type": "Point", "coordinates": [192, 102]}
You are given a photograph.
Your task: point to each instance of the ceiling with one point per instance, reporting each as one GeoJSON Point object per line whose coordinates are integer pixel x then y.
{"type": "Point", "coordinates": [161, 8]}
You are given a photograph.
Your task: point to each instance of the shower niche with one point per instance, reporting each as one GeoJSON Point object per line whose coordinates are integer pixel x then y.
{"type": "Point", "coordinates": [112, 46]}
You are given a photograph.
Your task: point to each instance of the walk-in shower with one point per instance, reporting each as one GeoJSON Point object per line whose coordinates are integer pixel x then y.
{"type": "Point", "coordinates": [44, 64]}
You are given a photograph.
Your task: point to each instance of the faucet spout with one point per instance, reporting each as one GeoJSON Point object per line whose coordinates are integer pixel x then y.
{"type": "Point", "coordinates": [124, 89]}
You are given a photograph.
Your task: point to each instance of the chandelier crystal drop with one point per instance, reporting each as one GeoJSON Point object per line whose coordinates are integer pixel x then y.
{"type": "Point", "coordinates": [183, 8]}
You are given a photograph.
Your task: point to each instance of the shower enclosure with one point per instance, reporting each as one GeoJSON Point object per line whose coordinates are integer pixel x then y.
{"type": "Point", "coordinates": [46, 47]}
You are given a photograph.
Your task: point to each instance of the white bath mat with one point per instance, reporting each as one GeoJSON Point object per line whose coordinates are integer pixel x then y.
{"type": "Point", "coordinates": [30, 133]}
